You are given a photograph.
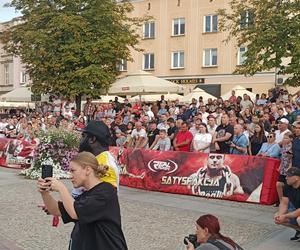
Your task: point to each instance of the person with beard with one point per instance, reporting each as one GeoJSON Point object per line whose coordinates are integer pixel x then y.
{"type": "Point", "coordinates": [215, 180]}
{"type": "Point", "coordinates": [96, 139]}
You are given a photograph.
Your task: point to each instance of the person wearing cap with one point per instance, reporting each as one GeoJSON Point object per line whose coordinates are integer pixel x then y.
{"type": "Point", "coordinates": [289, 209]}
{"type": "Point", "coordinates": [96, 139]}
{"type": "Point", "coordinates": [282, 130]}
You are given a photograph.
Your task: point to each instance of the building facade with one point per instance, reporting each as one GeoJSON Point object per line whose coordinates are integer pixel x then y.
{"type": "Point", "coordinates": [182, 44]}
{"type": "Point", "coordinates": [12, 72]}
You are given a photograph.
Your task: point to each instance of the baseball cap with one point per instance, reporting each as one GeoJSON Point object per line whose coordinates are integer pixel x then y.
{"type": "Point", "coordinates": [100, 130]}
{"type": "Point", "coordinates": [284, 120]}
{"type": "Point", "coordinates": [293, 171]}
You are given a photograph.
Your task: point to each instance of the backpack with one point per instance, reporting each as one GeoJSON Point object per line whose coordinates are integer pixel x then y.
{"type": "Point", "coordinates": [221, 246]}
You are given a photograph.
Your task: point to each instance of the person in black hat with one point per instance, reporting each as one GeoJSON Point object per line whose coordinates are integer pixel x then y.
{"type": "Point", "coordinates": [96, 139]}
{"type": "Point", "coordinates": [289, 208]}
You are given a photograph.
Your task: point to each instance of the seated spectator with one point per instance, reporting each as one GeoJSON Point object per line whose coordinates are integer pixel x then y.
{"type": "Point", "coordinates": [257, 139]}
{"type": "Point", "coordinates": [202, 139]}
{"type": "Point", "coordinates": [183, 139]}
{"type": "Point", "coordinates": [121, 138]}
{"type": "Point", "coordinates": [270, 148]}
{"type": "Point", "coordinates": [152, 133]}
{"type": "Point", "coordinates": [209, 236]}
{"type": "Point", "coordinates": [163, 143]}
{"type": "Point", "coordinates": [289, 209]}
{"type": "Point", "coordinates": [239, 144]}
{"type": "Point", "coordinates": [285, 163]}
{"type": "Point", "coordinates": [139, 136]}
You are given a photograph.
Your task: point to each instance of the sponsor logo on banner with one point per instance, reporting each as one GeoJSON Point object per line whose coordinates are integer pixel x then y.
{"type": "Point", "coordinates": [167, 166]}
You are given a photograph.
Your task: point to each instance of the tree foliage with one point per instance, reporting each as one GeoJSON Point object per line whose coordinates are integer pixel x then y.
{"type": "Point", "coordinates": [272, 35]}
{"type": "Point", "coordinates": [72, 47]}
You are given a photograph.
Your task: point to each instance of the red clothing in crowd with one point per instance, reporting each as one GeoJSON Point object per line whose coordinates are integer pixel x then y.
{"type": "Point", "coordinates": [232, 99]}
{"type": "Point", "coordinates": [183, 136]}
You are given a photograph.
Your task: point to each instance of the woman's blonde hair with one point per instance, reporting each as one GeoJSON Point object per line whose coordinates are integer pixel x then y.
{"type": "Point", "coordinates": [88, 159]}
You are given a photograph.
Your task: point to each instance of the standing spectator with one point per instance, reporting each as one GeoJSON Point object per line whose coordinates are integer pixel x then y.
{"type": "Point", "coordinates": [202, 139]}
{"type": "Point", "coordinates": [211, 124]}
{"type": "Point", "coordinates": [163, 143]}
{"type": "Point", "coordinates": [88, 109]}
{"type": "Point", "coordinates": [282, 130]}
{"type": "Point", "coordinates": [99, 113]}
{"type": "Point", "coordinates": [296, 147]}
{"type": "Point", "coordinates": [270, 148]}
{"type": "Point", "coordinates": [246, 103]}
{"type": "Point", "coordinates": [239, 144]}
{"type": "Point", "coordinates": [172, 131]}
{"type": "Point", "coordinates": [195, 128]}
{"type": "Point", "coordinates": [289, 208]}
{"type": "Point", "coordinates": [285, 163]}
{"type": "Point", "coordinates": [183, 139]}
{"type": "Point", "coordinates": [232, 98]}
{"type": "Point", "coordinates": [223, 135]}
{"type": "Point", "coordinates": [257, 139]}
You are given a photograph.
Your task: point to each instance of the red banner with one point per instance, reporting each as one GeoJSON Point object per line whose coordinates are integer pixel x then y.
{"type": "Point", "coordinates": [233, 177]}
{"type": "Point", "coordinates": [16, 153]}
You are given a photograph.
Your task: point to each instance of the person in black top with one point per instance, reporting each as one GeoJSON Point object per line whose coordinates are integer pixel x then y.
{"type": "Point", "coordinates": [289, 208]}
{"type": "Point", "coordinates": [152, 133]}
{"type": "Point", "coordinates": [257, 139]}
{"type": "Point", "coordinates": [96, 212]}
{"type": "Point", "coordinates": [222, 137]}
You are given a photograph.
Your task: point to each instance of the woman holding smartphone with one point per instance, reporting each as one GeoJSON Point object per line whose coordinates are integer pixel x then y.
{"type": "Point", "coordinates": [96, 213]}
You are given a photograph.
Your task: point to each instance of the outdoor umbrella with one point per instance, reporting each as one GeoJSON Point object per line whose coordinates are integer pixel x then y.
{"type": "Point", "coordinates": [153, 98]}
{"type": "Point", "coordinates": [143, 83]}
{"type": "Point", "coordinates": [196, 93]}
{"type": "Point", "coordinates": [21, 94]}
{"type": "Point", "coordinates": [239, 91]}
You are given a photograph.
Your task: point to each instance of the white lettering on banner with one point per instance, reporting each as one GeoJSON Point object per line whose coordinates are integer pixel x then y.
{"type": "Point", "coordinates": [179, 180]}
{"type": "Point", "coordinates": [168, 165]}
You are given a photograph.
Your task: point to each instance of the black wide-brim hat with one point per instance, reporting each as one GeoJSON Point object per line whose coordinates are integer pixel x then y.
{"type": "Point", "coordinates": [100, 130]}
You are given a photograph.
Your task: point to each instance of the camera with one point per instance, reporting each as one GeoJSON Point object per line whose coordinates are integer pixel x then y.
{"type": "Point", "coordinates": [191, 238]}
{"type": "Point", "coordinates": [228, 142]}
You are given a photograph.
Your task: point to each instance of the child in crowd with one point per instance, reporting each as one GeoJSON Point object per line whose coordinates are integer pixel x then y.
{"type": "Point", "coordinates": [163, 143]}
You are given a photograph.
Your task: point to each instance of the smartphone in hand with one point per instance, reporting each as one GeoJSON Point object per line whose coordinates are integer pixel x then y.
{"type": "Point", "coordinates": [47, 171]}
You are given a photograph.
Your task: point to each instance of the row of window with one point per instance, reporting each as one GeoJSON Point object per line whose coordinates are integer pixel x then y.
{"type": "Point", "coordinates": [210, 24]}
{"type": "Point", "coordinates": [210, 59]}
{"type": "Point", "coordinates": [7, 77]}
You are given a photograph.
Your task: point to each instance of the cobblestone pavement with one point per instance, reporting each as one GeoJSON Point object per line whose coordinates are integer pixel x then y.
{"type": "Point", "coordinates": [152, 221]}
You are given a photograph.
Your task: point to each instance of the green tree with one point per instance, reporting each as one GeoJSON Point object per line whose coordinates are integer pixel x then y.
{"type": "Point", "coordinates": [72, 47]}
{"type": "Point", "coordinates": [270, 29]}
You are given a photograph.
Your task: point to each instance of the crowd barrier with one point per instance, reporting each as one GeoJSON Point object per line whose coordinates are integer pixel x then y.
{"type": "Point", "coordinates": [231, 177]}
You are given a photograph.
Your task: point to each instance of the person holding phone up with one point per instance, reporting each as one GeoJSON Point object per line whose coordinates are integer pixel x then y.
{"type": "Point", "coordinates": [96, 213]}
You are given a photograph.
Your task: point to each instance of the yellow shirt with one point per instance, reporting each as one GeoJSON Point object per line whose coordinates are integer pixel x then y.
{"type": "Point", "coordinates": [112, 176]}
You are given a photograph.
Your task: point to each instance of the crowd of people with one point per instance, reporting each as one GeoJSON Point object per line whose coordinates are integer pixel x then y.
{"type": "Point", "coordinates": [268, 126]}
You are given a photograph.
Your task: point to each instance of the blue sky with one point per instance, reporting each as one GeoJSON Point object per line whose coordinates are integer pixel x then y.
{"type": "Point", "coordinates": [6, 14]}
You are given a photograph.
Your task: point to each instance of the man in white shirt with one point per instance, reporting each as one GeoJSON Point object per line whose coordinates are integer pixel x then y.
{"type": "Point", "coordinates": [282, 130]}
{"type": "Point", "coordinates": [139, 136]}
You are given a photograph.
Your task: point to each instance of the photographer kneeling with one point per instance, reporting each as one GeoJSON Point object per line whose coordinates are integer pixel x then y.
{"type": "Point", "coordinates": [96, 212]}
{"type": "Point", "coordinates": [208, 236]}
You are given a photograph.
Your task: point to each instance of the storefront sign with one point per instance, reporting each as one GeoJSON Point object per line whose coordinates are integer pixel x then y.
{"type": "Point", "coordinates": [188, 80]}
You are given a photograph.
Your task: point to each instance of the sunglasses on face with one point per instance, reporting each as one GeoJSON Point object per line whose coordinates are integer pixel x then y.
{"type": "Point", "coordinates": [270, 136]}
